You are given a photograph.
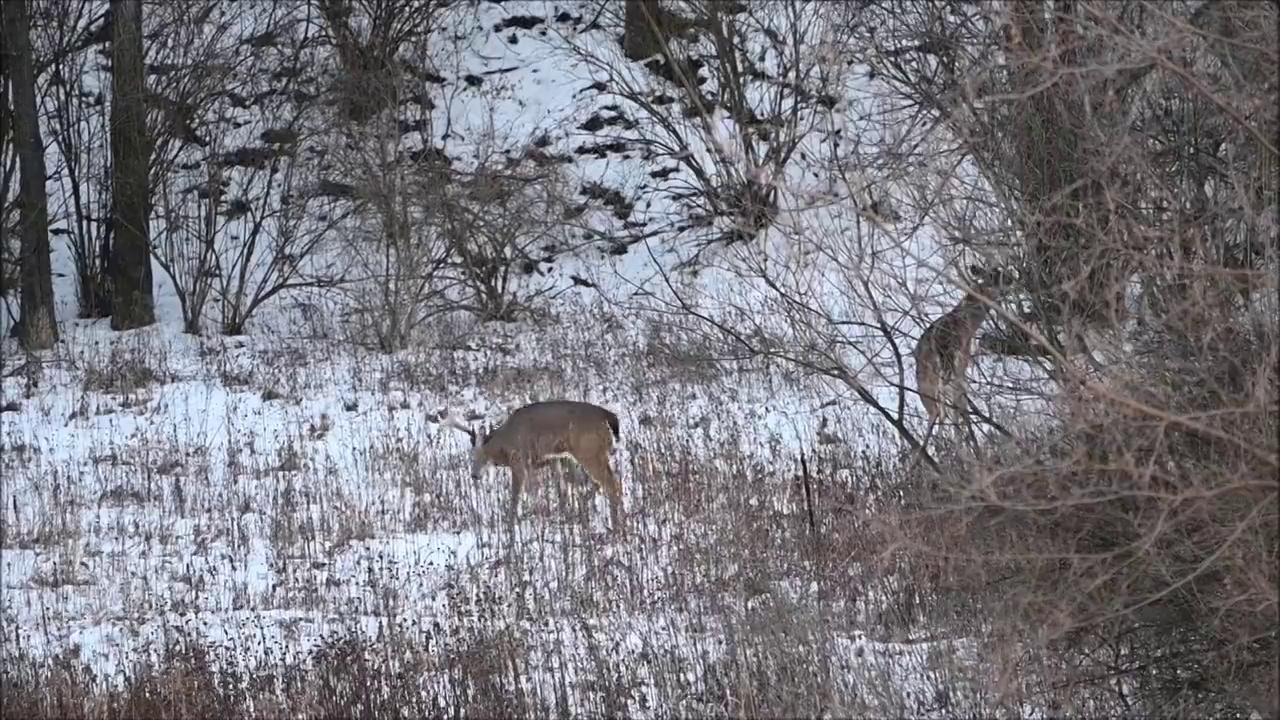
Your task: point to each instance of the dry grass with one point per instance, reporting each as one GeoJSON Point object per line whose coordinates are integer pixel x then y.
{"type": "Point", "coordinates": [352, 569]}
{"type": "Point", "coordinates": [721, 601]}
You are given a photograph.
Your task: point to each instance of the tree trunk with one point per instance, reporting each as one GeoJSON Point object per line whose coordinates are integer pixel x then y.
{"type": "Point", "coordinates": [640, 30]}
{"type": "Point", "coordinates": [8, 276]}
{"type": "Point", "coordinates": [37, 328]}
{"type": "Point", "coordinates": [133, 304]}
{"type": "Point", "coordinates": [1077, 277]}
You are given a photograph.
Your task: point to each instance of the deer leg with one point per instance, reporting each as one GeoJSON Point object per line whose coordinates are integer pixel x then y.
{"type": "Point", "coordinates": [948, 396]}
{"type": "Point", "coordinates": [924, 443]}
{"type": "Point", "coordinates": [928, 390]}
{"type": "Point", "coordinates": [960, 405]}
{"type": "Point", "coordinates": [928, 432]}
{"type": "Point", "coordinates": [931, 399]}
{"type": "Point", "coordinates": [617, 513]}
{"type": "Point", "coordinates": [934, 408]}
{"type": "Point", "coordinates": [603, 475]}
{"type": "Point", "coordinates": [941, 406]}
{"type": "Point", "coordinates": [518, 470]}
{"type": "Point", "coordinates": [538, 471]}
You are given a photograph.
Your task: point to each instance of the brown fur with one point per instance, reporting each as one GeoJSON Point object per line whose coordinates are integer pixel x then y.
{"type": "Point", "coordinates": [535, 434]}
{"type": "Point", "coordinates": [942, 355]}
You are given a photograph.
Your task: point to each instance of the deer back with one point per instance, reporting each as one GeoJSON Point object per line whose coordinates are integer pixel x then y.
{"type": "Point", "coordinates": [551, 428]}
{"type": "Point", "coordinates": [946, 343]}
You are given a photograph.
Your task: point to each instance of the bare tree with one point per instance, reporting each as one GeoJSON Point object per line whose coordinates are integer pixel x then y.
{"type": "Point", "coordinates": [37, 327]}
{"type": "Point", "coordinates": [429, 238]}
{"type": "Point", "coordinates": [133, 304]}
{"type": "Point", "coordinates": [77, 116]}
{"type": "Point", "coordinates": [398, 259]}
{"type": "Point", "coordinates": [241, 210]}
{"type": "Point", "coordinates": [183, 71]}
{"type": "Point", "coordinates": [501, 220]}
{"type": "Point", "coordinates": [729, 98]}
{"type": "Point", "coordinates": [1124, 159]}
{"type": "Point", "coordinates": [8, 168]}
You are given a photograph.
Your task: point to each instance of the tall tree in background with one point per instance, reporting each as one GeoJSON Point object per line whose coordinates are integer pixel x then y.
{"type": "Point", "coordinates": [133, 304]}
{"type": "Point", "coordinates": [37, 328]}
{"type": "Point", "coordinates": [8, 261]}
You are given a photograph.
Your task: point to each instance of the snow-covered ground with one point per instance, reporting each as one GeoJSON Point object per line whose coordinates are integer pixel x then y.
{"type": "Point", "coordinates": [262, 492]}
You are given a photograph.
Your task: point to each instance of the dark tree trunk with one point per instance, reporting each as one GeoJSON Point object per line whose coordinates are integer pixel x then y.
{"type": "Point", "coordinates": [37, 328]}
{"type": "Point", "coordinates": [640, 35]}
{"type": "Point", "coordinates": [8, 276]}
{"type": "Point", "coordinates": [102, 295]}
{"type": "Point", "coordinates": [133, 304]}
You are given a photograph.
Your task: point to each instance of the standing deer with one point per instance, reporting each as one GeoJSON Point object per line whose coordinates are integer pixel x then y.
{"type": "Point", "coordinates": [536, 434]}
{"type": "Point", "coordinates": [943, 352]}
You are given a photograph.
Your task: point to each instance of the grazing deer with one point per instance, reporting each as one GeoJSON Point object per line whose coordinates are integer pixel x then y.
{"type": "Point", "coordinates": [943, 352]}
{"type": "Point", "coordinates": [534, 435]}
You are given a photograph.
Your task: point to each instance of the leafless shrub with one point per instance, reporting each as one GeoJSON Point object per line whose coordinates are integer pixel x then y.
{"type": "Point", "coordinates": [1128, 551]}
{"type": "Point", "coordinates": [398, 259]}
{"type": "Point", "coordinates": [385, 168]}
{"type": "Point", "coordinates": [732, 94]}
{"type": "Point", "coordinates": [433, 239]}
{"type": "Point", "coordinates": [369, 39]}
{"type": "Point", "coordinates": [245, 223]}
{"type": "Point", "coordinates": [192, 55]}
{"type": "Point", "coordinates": [76, 113]}
{"type": "Point", "coordinates": [501, 223]}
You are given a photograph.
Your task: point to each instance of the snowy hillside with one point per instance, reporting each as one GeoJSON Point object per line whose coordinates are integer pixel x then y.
{"type": "Point", "coordinates": [273, 500]}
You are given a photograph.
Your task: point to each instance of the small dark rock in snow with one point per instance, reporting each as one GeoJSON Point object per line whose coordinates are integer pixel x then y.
{"type": "Point", "coordinates": [279, 136]}
{"type": "Point", "coordinates": [524, 22]}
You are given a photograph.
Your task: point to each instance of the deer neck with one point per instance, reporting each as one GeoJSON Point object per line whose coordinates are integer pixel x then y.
{"type": "Point", "coordinates": [971, 311]}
